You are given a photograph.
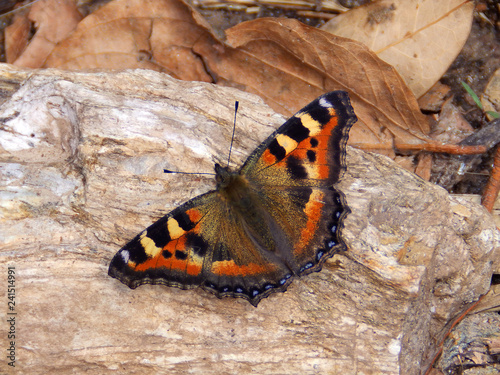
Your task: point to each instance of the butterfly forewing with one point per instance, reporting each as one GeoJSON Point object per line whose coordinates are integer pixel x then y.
{"type": "Point", "coordinates": [309, 148]}
{"type": "Point", "coordinates": [171, 251]}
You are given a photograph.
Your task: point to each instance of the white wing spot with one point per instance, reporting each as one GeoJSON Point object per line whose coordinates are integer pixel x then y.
{"type": "Point", "coordinates": [325, 103]}
{"type": "Point", "coordinates": [125, 255]}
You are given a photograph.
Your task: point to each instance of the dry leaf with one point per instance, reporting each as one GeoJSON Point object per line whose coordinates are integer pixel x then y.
{"type": "Point", "coordinates": [490, 99]}
{"type": "Point", "coordinates": [149, 34]}
{"type": "Point", "coordinates": [289, 63]}
{"type": "Point", "coordinates": [16, 37]}
{"type": "Point", "coordinates": [452, 127]}
{"type": "Point", "coordinates": [55, 19]}
{"type": "Point", "coordinates": [434, 98]}
{"type": "Point", "coordinates": [419, 38]}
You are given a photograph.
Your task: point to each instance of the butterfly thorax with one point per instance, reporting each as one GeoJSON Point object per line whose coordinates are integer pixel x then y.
{"type": "Point", "coordinates": [232, 186]}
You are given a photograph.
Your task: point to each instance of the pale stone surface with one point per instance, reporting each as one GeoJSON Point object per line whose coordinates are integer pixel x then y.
{"type": "Point", "coordinates": [81, 173]}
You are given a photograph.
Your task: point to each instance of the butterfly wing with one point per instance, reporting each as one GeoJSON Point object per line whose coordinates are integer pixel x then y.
{"type": "Point", "coordinates": [200, 244]}
{"type": "Point", "coordinates": [293, 172]}
{"type": "Point", "coordinates": [168, 252]}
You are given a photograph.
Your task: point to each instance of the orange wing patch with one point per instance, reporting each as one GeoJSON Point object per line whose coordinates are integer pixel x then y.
{"type": "Point", "coordinates": [313, 211]}
{"type": "Point", "coordinates": [230, 268]}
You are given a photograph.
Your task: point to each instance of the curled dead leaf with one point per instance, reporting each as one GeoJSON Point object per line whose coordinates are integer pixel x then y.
{"type": "Point", "coordinates": [55, 20]}
{"type": "Point", "coordinates": [290, 63]}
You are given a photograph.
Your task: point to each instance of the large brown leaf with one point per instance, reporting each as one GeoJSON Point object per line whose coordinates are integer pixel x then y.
{"type": "Point", "coordinates": [285, 62]}
{"type": "Point", "coordinates": [289, 64]}
{"type": "Point", "coordinates": [149, 34]}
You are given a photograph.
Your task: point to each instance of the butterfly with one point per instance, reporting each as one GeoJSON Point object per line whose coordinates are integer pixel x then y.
{"type": "Point", "coordinates": [276, 218]}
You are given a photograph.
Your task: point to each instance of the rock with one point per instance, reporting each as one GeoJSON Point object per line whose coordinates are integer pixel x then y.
{"type": "Point", "coordinates": [474, 345]}
{"type": "Point", "coordinates": [82, 158]}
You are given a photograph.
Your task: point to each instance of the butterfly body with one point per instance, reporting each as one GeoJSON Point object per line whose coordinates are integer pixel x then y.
{"type": "Point", "coordinates": [275, 218]}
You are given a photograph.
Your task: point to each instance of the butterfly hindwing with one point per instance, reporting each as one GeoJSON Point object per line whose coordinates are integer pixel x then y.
{"type": "Point", "coordinates": [277, 217]}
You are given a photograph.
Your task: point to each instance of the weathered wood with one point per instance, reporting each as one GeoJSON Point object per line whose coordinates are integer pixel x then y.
{"type": "Point", "coordinates": [82, 158]}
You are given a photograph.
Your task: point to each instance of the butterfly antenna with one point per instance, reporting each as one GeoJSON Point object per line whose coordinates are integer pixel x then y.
{"type": "Point", "coordinates": [169, 171]}
{"type": "Point", "coordinates": [236, 104]}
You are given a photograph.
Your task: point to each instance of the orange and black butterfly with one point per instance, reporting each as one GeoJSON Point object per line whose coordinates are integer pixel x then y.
{"type": "Point", "coordinates": [276, 218]}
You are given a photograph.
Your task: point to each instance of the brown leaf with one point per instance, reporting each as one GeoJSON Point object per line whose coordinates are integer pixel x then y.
{"type": "Point", "coordinates": [452, 127]}
{"type": "Point", "coordinates": [148, 34]}
{"type": "Point", "coordinates": [55, 19]}
{"type": "Point", "coordinates": [289, 64]}
{"type": "Point", "coordinates": [434, 98]}
{"type": "Point", "coordinates": [16, 37]}
{"type": "Point", "coordinates": [491, 95]}
{"type": "Point", "coordinates": [419, 38]}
